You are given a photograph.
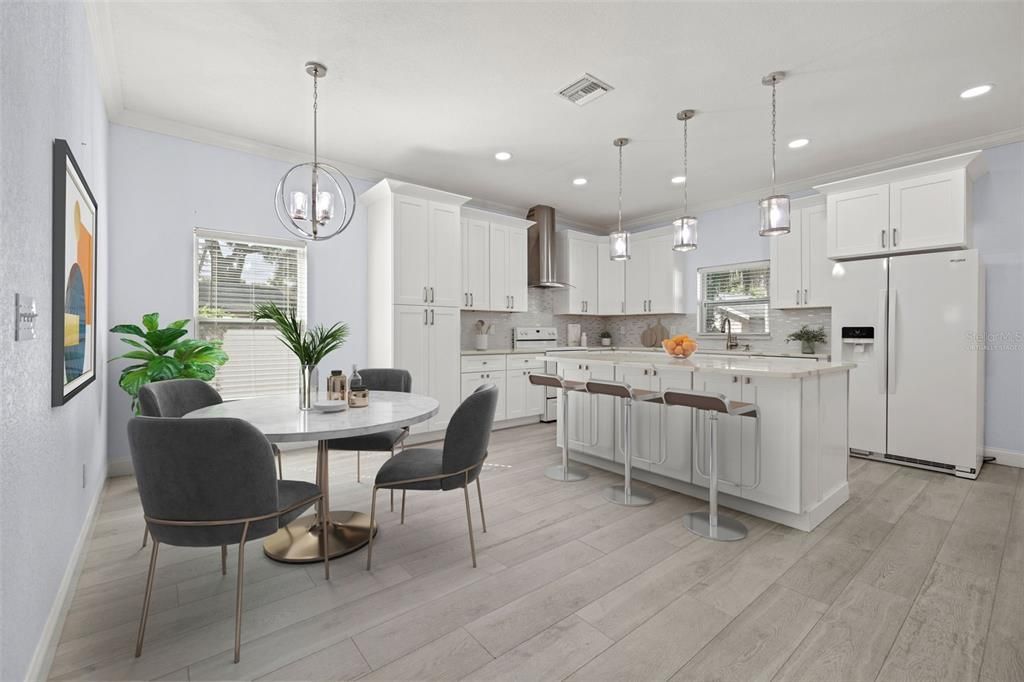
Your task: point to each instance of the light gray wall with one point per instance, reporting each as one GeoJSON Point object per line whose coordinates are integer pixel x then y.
{"type": "Point", "coordinates": [998, 208]}
{"type": "Point", "coordinates": [162, 187]}
{"type": "Point", "coordinates": [48, 89]}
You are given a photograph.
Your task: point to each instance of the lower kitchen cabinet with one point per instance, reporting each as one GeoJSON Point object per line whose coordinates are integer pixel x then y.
{"type": "Point", "coordinates": [591, 418]}
{"type": "Point", "coordinates": [522, 399]}
{"type": "Point", "coordinates": [471, 382]}
{"type": "Point", "coordinates": [676, 432]}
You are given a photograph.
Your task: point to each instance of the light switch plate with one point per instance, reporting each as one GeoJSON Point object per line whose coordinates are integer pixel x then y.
{"type": "Point", "coordinates": [25, 314]}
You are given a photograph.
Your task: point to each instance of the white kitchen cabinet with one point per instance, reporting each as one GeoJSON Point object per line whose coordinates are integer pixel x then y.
{"type": "Point", "coordinates": [778, 400]}
{"type": "Point", "coordinates": [475, 264]}
{"type": "Point", "coordinates": [522, 399]}
{"type": "Point", "coordinates": [426, 343]}
{"type": "Point", "coordinates": [923, 207]}
{"type": "Point", "coordinates": [731, 457]}
{"type": "Point", "coordinates": [645, 426]}
{"type": "Point", "coordinates": [801, 273]}
{"type": "Point", "coordinates": [676, 432]}
{"type": "Point", "coordinates": [654, 275]}
{"type": "Point", "coordinates": [577, 254]}
{"type": "Point", "coordinates": [471, 382]}
{"type": "Point", "coordinates": [415, 288]}
{"type": "Point", "coordinates": [591, 417]}
{"type": "Point", "coordinates": [500, 265]}
{"type": "Point", "coordinates": [611, 282]}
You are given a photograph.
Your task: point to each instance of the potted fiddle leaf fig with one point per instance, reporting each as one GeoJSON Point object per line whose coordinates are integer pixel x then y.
{"type": "Point", "coordinates": [164, 353]}
{"type": "Point", "coordinates": [310, 346]}
{"type": "Point", "coordinates": [807, 336]}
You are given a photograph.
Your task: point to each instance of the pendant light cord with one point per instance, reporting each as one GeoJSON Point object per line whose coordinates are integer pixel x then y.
{"type": "Point", "coordinates": [774, 83]}
{"type": "Point", "coordinates": [686, 173]}
{"type": "Point", "coordinates": [316, 95]}
{"type": "Point", "coordinates": [620, 188]}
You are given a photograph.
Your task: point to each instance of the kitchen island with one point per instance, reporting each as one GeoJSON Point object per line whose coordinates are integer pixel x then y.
{"type": "Point", "coordinates": [797, 478]}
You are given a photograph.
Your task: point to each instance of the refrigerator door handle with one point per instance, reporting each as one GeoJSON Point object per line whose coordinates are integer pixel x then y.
{"type": "Point", "coordinates": [891, 359]}
{"type": "Point", "coordinates": [883, 306]}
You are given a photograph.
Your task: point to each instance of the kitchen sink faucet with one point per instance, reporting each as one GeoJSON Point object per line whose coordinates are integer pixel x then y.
{"type": "Point", "coordinates": [731, 342]}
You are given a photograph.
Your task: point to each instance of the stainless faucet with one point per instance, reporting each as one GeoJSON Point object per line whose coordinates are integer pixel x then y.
{"type": "Point", "coordinates": [731, 342]}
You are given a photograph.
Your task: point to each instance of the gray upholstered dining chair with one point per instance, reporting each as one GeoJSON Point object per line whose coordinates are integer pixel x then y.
{"type": "Point", "coordinates": [178, 397]}
{"type": "Point", "coordinates": [210, 482]}
{"type": "Point", "coordinates": [455, 465]}
{"type": "Point", "coordinates": [397, 380]}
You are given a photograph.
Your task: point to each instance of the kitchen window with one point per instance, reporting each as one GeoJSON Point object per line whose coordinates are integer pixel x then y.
{"type": "Point", "coordinates": [737, 293]}
{"type": "Point", "coordinates": [234, 272]}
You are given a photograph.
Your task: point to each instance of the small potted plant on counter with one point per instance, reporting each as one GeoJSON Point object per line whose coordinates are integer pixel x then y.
{"type": "Point", "coordinates": [606, 338]}
{"type": "Point", "coordinates": [807, 336]}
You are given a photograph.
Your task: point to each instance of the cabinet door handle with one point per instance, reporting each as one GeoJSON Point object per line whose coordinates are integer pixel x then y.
{"type": "Point", "coordinates": [465, 300]}
{"type": "Point", "coordinates": [424, 294]}
{"type": "Point", "coordinates": [747, 380]}
{"type": "Point", "coordinates": [431, 316]}
{"type": "Point", "coordinates": [431, 294]}
{"type": "Point", "coordinates": [883, 239]}
{"type": "Point", "coordinates": [805, 296]}
{"type": "Point", "coordinates": [798, 297]}
{"type": "Point", "coordinates": [425, 316]}
{"type": "Point", "coordinates": [513, 300]}
{"type": "Point", "coordinates": [895, 236]}
{"type": "Point", "coordinates": [735, 379]}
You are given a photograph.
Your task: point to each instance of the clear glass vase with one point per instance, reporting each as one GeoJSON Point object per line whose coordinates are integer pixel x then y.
{"type": "Point", "coordinates": [307, 387]}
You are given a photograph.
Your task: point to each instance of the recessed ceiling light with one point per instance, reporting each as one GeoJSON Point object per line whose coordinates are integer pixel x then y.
{"type": "Point", "coordinates": [802, 142]}
{"type": "Point", "coordinates": [579, 182]}
{"type": "Point", "coordinates": [976, 91]}
{"type": "Point", "coordinates": [503, 156]}
{"type": "Point", "coordinates": [679, 179]}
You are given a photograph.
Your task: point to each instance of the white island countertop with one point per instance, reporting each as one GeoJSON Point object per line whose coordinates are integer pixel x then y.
{"type": "Point", "coordinates": [781, 368]}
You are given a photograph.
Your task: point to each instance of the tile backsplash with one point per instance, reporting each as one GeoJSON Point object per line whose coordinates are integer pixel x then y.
{"type": "Point", "coordinates": [626, 330]}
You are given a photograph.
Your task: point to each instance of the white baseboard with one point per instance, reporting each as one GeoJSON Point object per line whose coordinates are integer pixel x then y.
{"type": "Point", "coordinates": [42, 658]}
{"type": "Point", "coordinates": [1010, 458]}
{"type": "Point", "coordinates": [119, 467]}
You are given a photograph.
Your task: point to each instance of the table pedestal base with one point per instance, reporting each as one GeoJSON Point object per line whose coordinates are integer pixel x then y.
{"type": "Point", "coordinates": [299, 541]}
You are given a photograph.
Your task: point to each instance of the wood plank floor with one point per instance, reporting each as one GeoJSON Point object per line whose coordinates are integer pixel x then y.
{"type": "Point", "coordinates": [918, 576]}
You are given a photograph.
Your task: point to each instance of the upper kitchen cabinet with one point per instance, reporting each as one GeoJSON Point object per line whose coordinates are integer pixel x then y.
{"type": "Point", "coordinates": [414, 245]}
{"type": "Point", "coordinates": [578, 263]}
{"type": "Point", "coordinates": [801, 272]}
{"type": "Point", "coordinates": [611, 282]}
{"type": "Point", "coordinates": [494, 266]}
{"type": "Point", "coordinates": [654, 275]}
{"type": "Point", "coordinates": [923, 207]}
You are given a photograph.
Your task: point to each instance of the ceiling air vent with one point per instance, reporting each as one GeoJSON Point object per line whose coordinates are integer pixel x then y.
{"type": "Point", "coordinates": [585, 90]}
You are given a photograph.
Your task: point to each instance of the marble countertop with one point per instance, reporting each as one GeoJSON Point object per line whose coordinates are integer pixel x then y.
{"type": "Point", "coordinates": [641, 349]}
{"type": "Point", "coordinates": [502, 351]}
{"type": "Point", "coordinates": [780, 368]}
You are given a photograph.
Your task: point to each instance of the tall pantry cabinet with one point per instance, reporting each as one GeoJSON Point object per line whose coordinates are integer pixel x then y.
{"type": "Point", "coordinates": [414, 279]}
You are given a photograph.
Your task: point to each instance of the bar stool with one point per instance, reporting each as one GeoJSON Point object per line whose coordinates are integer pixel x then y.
{"type": "Point", "coordinates": [709, 524]}
{"type": "Point", "coordinates": [624, 494]}
{"type": "Point", "coordinates": [561, 472]}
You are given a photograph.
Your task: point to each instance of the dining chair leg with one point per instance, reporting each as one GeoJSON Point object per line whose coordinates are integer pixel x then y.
{"type": "Point", "coordinates": [145, 535]}
{"type": "Point", "coordinates": [469, 521]}
{"type": "Point", "coordinates": [373, 514]}
{"type": "Point", "coordinates": [223, 559]}
{"type": "Point", "coordinates": [323, 540]}
{"type": "Point", "coordinates": [358, 473]}
{"type": "Point", "coordinates": [238, 592]}
{"type": "Point", "coordinates": [480, 496]}
{"type": "Point", "coordinates": [145, 601]}
{"type": "Point", "coordinates": [392, 490]}
{"type": "Point", "coordinates": [402, 521]}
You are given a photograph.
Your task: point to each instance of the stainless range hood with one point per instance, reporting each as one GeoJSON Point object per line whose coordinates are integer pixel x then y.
{"type": "Point", "coordinates": [542, 266]}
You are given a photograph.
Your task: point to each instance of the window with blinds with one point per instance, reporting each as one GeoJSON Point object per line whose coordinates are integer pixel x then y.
{"type": "Point", "coordinates": [738, 293]}
{"type": "Point", "coordinates": [233, 273]}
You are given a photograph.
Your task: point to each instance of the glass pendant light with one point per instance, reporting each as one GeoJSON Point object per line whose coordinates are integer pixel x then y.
{"type": "Point", "coordinates": [685, 238]}
{"type": "Point", "coordinates": [618, 241]}
{"type": "Point", "coordinates": [774, 208]}
{"type": "Point", "coordinates": [315, 201]}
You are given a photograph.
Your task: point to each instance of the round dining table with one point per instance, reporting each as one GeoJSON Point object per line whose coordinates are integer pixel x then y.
{"type": "Point", "coordinates": [281, 421]}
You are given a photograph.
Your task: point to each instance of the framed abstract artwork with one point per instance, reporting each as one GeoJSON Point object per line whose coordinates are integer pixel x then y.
{"type": "Point", "coordinates": [74, 277]}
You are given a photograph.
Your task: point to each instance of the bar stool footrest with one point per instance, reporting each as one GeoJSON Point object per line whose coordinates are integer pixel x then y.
{"type": "Point", "coordinates": [556, 473]}
{"type": "Point", "coordinates": [728, 529]}
{"type": "Point", "coordinates": [617, 494]}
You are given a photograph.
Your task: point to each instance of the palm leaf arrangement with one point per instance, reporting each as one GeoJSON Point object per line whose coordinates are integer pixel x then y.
{"type": "Point", "coordinates": [310, 346]}
{"type": "Point", "coordinates": [165, 354]}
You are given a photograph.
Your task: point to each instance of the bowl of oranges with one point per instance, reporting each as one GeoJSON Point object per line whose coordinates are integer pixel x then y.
{"type": "Point", "coordinates": [681, 346]}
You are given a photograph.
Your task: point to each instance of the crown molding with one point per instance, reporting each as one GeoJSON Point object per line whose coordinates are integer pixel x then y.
{"type": "Point", "coordinates": [101, 29]}
{"type": "Point", "coordinates": [804, 185]}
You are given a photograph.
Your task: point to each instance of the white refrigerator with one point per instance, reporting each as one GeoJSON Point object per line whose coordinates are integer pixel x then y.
{"type": "Point", "coordinates": [914, 325]}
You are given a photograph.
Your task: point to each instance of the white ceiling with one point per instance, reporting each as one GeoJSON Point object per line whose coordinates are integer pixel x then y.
{"type": "Point", "coordinates": [430, 91]}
